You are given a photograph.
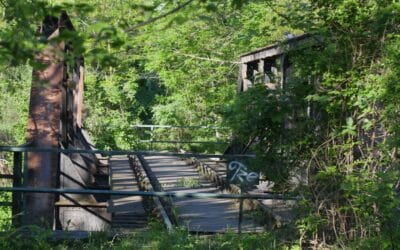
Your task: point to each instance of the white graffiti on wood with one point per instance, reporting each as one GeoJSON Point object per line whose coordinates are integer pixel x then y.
{"type": "Point", "coordinates": [241, 173]}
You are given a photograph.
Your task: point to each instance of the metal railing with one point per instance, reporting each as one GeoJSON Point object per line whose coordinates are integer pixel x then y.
{"type": "Point", "coordinates": [117, 152]}
{"type": "Point", "coordinates": [20, 176]}
{"type": "Point", "coordinates": [153, 139]}
{"type": "Point", "coordinates": [19, 179]}
{"type": "Point", "coordinates": [145, 193]}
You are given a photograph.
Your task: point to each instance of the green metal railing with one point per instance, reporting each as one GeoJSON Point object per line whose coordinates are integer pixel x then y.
{"type": "Point", "coordinates": [118, 152]}
{"type": "Point", "coordinates": [145, 193]}
{"type": "Point", "coordinates": [20, 176]}
{"type": "Point", "coordinates": [153, 139]}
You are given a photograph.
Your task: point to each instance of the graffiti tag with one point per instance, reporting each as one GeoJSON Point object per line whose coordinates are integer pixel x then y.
{"type": "Point", "coordinates": [238, 174]}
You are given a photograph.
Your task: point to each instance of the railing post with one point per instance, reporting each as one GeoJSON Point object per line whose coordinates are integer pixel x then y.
{"type": "Point", "coordinates": [24, 184]}
{"type": "Point", "coordinates": [152, 137]}
{"type": "Point", "coordinates": [16, 196]}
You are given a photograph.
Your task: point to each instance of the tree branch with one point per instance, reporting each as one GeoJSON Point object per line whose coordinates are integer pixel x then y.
{"type": "Point", "coordinates": [153, 19]}
{"type": "Point", "coordinates": [206, 58]}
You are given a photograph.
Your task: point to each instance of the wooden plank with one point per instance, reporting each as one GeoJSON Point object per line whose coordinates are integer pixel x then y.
{"type": "Point", "coordinates": [281, 211]}
{"type": "Point", "coordinates": [66, 203]}
{"type": "Point", "coordinates": [198, 215]}
{"type": "Point", "coordinates": [128, 212]}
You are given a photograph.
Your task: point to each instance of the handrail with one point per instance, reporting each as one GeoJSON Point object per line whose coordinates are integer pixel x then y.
{"type": "Point", "coordinates": [120, 152]}
{"type": "Point", "coordinates": [148, 193]}
{"type": "Point", "coordinates": [186, 142]}
{"type": "Point", "coordinates": [17, 203]}
{"type": "Point", "coordinates": [155, 194]}
{"type": "Point", "coordinates": [153, 128]}
{"type": "Point", "coordinates": [174, 126]}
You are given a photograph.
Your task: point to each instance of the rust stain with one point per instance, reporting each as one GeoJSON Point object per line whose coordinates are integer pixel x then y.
{"type": "Point", "coordinates": [43, 131]}
{"type": "Point", "coordinates": [79, 97]}
{"type": "Point", "coordinates": [55, 108]}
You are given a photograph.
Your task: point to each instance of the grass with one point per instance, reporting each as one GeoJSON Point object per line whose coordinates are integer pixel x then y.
{"type": "Point", "coordinates": [5, 212]}
{"type": "Point", "coordinates": [154, 238]}
{"type": "Point", "coordinates": [188, 182]}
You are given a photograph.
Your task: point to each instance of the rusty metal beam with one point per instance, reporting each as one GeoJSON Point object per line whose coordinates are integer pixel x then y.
{"type": "Point", "coordinates": [79, 96]}
{"type": "Point", "coordinates": [55, 114]}
{"type": "Point", "coordinates": [44, 124]}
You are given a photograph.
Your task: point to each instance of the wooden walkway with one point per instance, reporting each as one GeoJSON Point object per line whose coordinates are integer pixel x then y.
{"type": "Point", "coordinates": [199, 215]}
{"type": "Point", "coordinates": [127, 212]}
{"type": "Point", "coordinates": [281, 211]}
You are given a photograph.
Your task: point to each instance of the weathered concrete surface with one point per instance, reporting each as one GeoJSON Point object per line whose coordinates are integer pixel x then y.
{"type": "Point", "coordinates": [199, 215]}
{"type": "Point", "coordinates": [77, 173]}
{"type": "Point", "coordinates": [84, 219]}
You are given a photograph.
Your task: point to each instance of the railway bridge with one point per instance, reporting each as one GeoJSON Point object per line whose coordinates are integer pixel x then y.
{"type": "Point", "coordinates": [61, 181]}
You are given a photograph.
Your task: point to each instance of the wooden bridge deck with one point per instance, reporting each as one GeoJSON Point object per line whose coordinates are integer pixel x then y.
{"type": "Point", "coordinates": [199, 215]}
{"type": "Point", "coordinates": [280, 210]}
{"type": "Point", "coordinates": [127, 212]}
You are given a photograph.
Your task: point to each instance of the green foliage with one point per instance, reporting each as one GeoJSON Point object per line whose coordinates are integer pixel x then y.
{"type": "Point", "coordinates": [5, 212]}
{"type": "Point", "coordinates": [154, 238]}
{"type": "Point", "coordinates": [14, 98]}
{"type": "Point", "coordinates": [348, 142]}
{"type": "Point", "coordinates": [188, 182]}
{"type": "Point", "coordinates": [184, 67]}
{"type": "Point", "coordinates": [194, 53]}
{"type": "Point", "coordinates": [337, 119]}
{"type": "Point", "coordinates": [260, 115]}
{"type": "Point", "coordinates": [12, 239]}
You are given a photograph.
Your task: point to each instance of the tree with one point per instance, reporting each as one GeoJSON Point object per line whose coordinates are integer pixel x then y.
{"type": "Point", "coordinates": [350, 151]}
{"type": "Point", "coordinates": [175, 62]}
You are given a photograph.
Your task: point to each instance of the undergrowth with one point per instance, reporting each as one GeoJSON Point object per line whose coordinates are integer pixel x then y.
{"type": "Point", "coordinates": [156, 237]}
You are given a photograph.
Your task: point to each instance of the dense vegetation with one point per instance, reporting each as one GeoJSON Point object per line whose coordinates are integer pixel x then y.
{"type": "Point", "coordinates": [155, 238]}
{"type": "Point", "coordinates": [175, 63]}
